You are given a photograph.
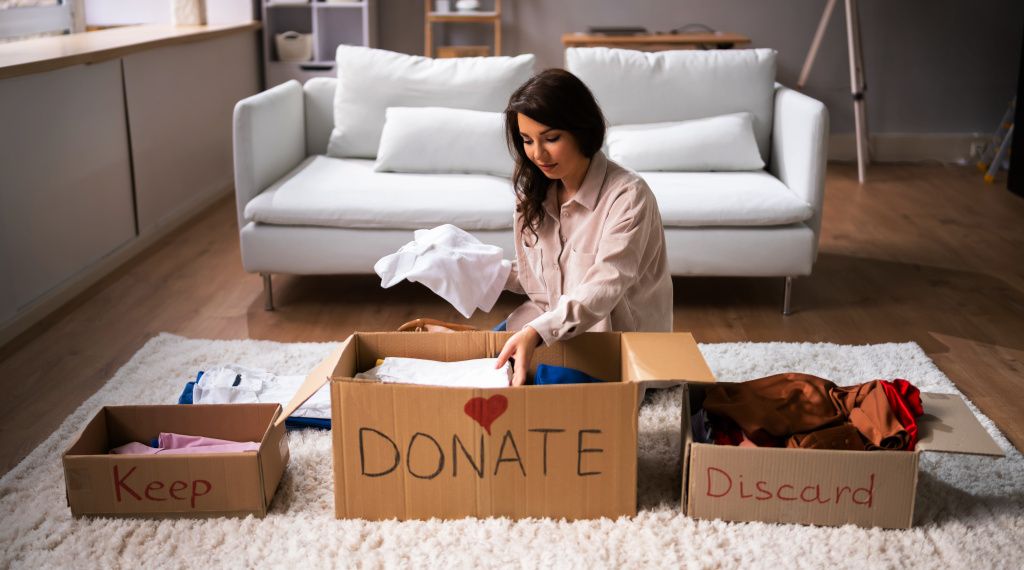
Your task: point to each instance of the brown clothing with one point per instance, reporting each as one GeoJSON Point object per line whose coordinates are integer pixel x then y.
{"type": "Point", "coordinates": [599, 263]}
{"type": "Point", "coordinates": [787, 408]}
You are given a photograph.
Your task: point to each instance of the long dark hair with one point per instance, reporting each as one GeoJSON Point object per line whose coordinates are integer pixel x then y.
{"type": "Point", "coordinates": [559, 100]}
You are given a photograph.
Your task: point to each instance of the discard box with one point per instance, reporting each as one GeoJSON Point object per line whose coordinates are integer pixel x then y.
{"type": "Point", "coordinates": [193, 485]}
{"type": "Point", "coordinates": [822, 487]}
{"type": "Point", "coordinates": [417, 452]}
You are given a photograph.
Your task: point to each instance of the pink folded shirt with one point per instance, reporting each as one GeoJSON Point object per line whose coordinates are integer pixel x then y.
{"type": "Point", "coordinates": [174, 443]}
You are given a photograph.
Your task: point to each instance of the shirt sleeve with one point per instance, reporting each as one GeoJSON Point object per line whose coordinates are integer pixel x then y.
{"type": "Point", "coordinates": [616, 268]}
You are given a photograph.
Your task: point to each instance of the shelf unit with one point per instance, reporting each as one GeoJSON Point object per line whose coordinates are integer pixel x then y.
{"type": "Point", "coordinates": [330, 23]}
{"type": "Point", "coordinates": [432, 17]}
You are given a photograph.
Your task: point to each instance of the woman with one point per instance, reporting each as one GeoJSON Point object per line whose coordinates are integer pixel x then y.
{"type": "Point", "coordinates": [590, 247]}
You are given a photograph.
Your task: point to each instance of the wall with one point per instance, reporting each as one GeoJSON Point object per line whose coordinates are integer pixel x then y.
{"type": "Point", "coordinates": [933, 66]}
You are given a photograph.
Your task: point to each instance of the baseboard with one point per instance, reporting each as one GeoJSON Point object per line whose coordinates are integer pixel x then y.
{"type": "Point", "coordinates": [59, 296]}
{"type": "Point", "coordinates": [910, 147]}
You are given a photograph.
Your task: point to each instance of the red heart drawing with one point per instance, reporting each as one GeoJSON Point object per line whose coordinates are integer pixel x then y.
{"type": "Point", "coordinates": [486, 411]}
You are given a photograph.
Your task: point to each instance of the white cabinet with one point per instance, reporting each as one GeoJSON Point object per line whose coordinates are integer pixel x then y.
{"type": "Point", "coordinates": [100, 160]}
{"type": "Point", "coordinates": [328, 25]}
{"type": "Point", "coordinates": [65, 178]}
{"type": "Point", "coordinates": [180, 100]}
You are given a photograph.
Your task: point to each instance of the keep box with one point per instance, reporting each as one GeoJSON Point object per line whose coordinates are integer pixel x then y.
{"type": "Point", "coordinates": [418, 452]}
{"type": "Point", "coordinates": [187, 485]}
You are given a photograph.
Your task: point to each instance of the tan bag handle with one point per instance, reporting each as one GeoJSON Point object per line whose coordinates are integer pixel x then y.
{"type": "Point", "coordinates": [433, 325]}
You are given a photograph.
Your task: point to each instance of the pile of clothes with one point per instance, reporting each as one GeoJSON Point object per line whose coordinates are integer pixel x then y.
{"type": "Point", "coordinates": [234, 384]}
{"type": "Point", "coordinates": [804, 411]}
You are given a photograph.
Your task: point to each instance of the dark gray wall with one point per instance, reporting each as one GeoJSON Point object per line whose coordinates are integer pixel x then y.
{"type": "Point", "coordinates": [933, 66]}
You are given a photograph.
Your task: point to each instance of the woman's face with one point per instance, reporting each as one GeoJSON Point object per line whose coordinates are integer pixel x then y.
{"type": "Point", "coordinates": [554, 151]}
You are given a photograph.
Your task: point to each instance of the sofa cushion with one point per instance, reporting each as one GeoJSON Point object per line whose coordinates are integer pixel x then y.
{"type": "Point", "coordinates": [371, 80]}
{"type": "Point", "coordinates": [440, 139]}
{"type": "Point", "coordinates": [722, 143]}
{"type": "Point", "coordinates": [640, 87]}
{"type": "Point", "coordinates": [347, 193]}
{"type": "Point", "coordinates": [689, 199]}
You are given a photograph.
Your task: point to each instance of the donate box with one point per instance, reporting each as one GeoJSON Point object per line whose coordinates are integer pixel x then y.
{"type": "Point", "coordinates": [822, 487]}
{"type": "Point", "coordinates": [417, 452]}
{"type": "Point", "coordinates": [185, 485]}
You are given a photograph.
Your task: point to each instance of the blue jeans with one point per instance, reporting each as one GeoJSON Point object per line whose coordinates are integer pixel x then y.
{"type": "Point", "coordinates": [501, 327]}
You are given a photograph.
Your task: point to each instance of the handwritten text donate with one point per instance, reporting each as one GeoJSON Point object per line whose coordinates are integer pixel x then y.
{"type": "Point", "coordinates": [426, 456]}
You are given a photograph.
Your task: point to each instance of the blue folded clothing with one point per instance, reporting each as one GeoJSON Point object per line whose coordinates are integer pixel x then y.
{"type": "Point", "coordinates": [290, 423]}
{"type": "Point", "coordinates": [548, 375]}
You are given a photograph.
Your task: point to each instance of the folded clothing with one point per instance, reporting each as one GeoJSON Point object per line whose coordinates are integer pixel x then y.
{"type": "Point", "coordinates": [177, 444]}
{"type": "Point", "coordinates": [475, 373]}
{"type": "Point", "coordinates": [293, 422]}
{"type": "Point", "coordinates": [801, 410]}
{"type": "Point", "coordinates": [549, 374]}
{"type": "Point", "coordinates": [234, 384]}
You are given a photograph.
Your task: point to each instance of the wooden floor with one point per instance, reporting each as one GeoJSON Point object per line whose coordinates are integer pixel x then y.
{"type": "Point", "coordinates": [922, 253]}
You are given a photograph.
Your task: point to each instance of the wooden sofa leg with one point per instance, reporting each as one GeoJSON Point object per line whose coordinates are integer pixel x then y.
{"type": "Point", "coordinates": [787, 297]}
{"type": "Point", "coordinates": [268, 292]}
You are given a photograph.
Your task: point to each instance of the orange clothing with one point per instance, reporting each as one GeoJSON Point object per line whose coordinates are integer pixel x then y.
{"type": "Point", "coordinates": [801, 410]}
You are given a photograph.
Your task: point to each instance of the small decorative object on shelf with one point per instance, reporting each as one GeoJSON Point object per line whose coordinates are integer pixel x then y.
{"type": "Point", "coordinates": [293, 46]}
{"type": "Point", "coordinates": [442, 6]}
{"type": "Point", "coordinates": [467, 5]}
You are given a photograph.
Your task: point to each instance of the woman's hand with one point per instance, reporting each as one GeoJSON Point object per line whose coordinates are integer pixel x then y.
{"type": "Point", "coordinates": [520, 347]}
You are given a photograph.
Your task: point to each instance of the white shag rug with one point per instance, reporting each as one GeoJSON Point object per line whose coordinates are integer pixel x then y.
{"type": "Point", "coordinates": [970, 510]}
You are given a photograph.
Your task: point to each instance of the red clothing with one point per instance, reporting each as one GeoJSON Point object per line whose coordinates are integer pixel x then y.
{"type": "Point", "coordinates": [905, 401]}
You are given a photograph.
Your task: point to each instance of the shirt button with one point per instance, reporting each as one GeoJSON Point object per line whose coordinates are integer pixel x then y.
{"type": "Point", "coordinates": [565, 214]}
{"type": "Point", "coordinates": [554, 332]}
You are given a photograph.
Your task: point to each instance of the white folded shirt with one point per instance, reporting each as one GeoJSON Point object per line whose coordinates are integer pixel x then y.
{"type": "Point", "coordinates": [476, 373]}
{"type": "Point", "coordinates": [258, 386]}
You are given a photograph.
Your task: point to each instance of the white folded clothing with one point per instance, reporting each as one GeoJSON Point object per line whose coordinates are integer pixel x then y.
{"type": "Point", "coordinates": [476, 373]}
{"type": "Point", "coordinates": [451, 262]}
{"type": "Point", "coordinates": [216, 386]}
{"type": "Point", "coordinates": [231, 384]}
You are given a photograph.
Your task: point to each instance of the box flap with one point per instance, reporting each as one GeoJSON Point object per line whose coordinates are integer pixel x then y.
{"type": "Point", "coordinates": [948, 425]}
{"type": "Point", "coordinates": [664, 357]}
{"type": "Point", "coordinates": [687, 442]}
{"type": "Point", "coordinates": [317, 378]}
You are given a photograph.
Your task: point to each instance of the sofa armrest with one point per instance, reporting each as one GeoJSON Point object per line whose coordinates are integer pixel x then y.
{"type": "Point", "coordinates": [800, 149]}
{"type": "Point", "coordinates": [269, 140]}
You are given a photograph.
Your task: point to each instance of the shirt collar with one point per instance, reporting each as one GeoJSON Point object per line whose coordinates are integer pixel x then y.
{"type": "Point", "coordinates": [590, 190]}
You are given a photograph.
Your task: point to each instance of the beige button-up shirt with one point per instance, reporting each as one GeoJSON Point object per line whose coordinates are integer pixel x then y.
{"type": "Point", "coordinates": [599, 263]}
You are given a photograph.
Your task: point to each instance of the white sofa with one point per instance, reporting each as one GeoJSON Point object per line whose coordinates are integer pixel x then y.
{"type": "Point", "coordinates": [302, 212]}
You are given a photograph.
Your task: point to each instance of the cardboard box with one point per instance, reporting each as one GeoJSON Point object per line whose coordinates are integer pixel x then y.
{"type": "Point", "coordinates": [193, 485]}
{"type": "Point", "coordinates": [822, 487]}
{"type": "Point", "coordinates": [417, 452]}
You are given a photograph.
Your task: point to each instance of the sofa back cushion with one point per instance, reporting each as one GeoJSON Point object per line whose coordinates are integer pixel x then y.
{"type": "Point", "coordinates": [641, 87]}
{"type": "Point", "coordinates": [371, 80]}
{"type": "Point", "coordinates": [722, 143]}
{"type": "Point", "coordinates": [441, 139]}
